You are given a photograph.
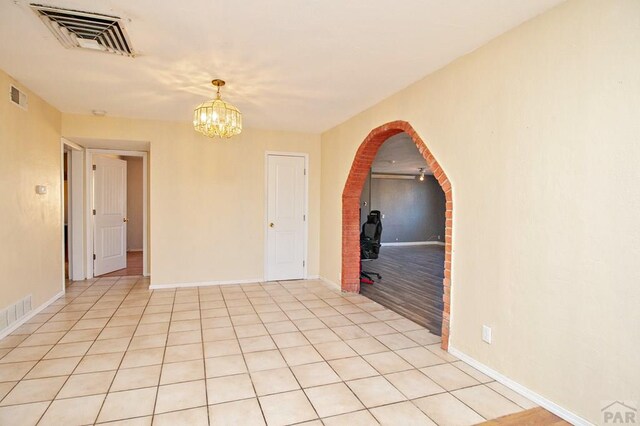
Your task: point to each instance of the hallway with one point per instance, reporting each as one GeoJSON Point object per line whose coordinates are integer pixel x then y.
{"type": "Point", "coordinates": [134, 266]}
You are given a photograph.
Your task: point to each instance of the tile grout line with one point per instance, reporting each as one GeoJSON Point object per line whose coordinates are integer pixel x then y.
{"type": "Point", "coordinates": [45, 354]}
{"type": "Point", "coordinates": [323, 358]}
{"type": "Point", "coordinates": [125, 351]}
{"type": "Point", "coordinates": [331, 367]}
{"type": "Point", "coordinates": [242, 353]}
{"type": "Point", "coordinates": [88, 349]}
{"type": "Point", "coordinates": [204, 360]}
{"type": "Point", "coordinates": [285, 360]}
{"type": "Point", "coordinates": [36, 361]}
{"type": "Point", "coordinates": [364, 360]}
{"type": "Point", "coordinates": [252, 304]}
{"type": "Point", "coordinates": [164, 351]}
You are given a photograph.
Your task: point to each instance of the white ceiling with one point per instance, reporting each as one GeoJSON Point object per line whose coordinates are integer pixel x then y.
{"type": "Point", "coordinates": [399, 155]}
{"type": "Point", "coordinates": [289, 64]}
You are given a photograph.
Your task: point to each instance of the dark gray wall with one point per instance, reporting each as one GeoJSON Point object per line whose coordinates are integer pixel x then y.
{"type": "Point", "coordinates": [365, 200]}
{"type": "Point", "coordinates": [412, 210]}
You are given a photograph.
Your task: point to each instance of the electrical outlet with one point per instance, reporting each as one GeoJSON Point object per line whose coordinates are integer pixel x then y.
{"type": "Point", "coordinates": [486, 334]}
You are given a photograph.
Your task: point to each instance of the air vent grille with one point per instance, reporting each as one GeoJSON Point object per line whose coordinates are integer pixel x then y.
{"type": "Point", "coordinates": [76, 29]}
{"type": "Point", "coordinates": [17, 97]}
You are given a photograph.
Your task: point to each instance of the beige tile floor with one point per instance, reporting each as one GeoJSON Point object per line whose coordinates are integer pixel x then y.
{"type": "Point", "coordinates": [113, 352]}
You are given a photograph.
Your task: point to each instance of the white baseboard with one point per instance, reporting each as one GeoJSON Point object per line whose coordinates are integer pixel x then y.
{"type": "Point", "coordinates": [13, 327]}
{"type": "Point", "coordinates": [331, 283]}
{"type": "Point", "coordinates": [203, 284]}
{"type": "Point", "coordinates": [134, 250]}
{"type": "Point", "coordinates": [517, 387]}
{"type": "Point", "coordinates": [414, 243]}
{"type": "Point", "coordinates": [312, 277]}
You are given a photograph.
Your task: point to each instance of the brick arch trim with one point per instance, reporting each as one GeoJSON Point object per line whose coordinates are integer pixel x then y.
{"type": "Point", "coordinates": [351, 211]}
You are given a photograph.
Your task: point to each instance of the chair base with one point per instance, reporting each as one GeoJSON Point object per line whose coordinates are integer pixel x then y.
{"type": "Point", "coordinates": [365, 277]}
{"type": "Point", "coordinates": [365, 280]}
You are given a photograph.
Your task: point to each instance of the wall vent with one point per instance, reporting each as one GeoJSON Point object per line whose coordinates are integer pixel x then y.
{"type": "Point", "coordinates": [14, 312]}
{"type": "Point", "coordinates": [18, 97]}
{"type": "Point", "coordinates": [85, 30]}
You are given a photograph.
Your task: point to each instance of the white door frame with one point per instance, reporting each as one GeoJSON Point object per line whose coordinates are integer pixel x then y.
{"type": "Point", "coordinates": [75, 215]}
{"type": "Point", "coordinates": [306, 208]}
{"type": "Point", "coordinates": [89, 207]}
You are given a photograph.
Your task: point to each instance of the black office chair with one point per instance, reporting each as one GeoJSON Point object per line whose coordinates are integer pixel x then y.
{"type": "Point", "coordinates": [370, 244]}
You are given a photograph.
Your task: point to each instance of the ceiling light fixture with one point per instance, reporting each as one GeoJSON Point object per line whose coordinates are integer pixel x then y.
{"type": "Point", "coordinates": [216, 118]}
{"type": "Point", "coordinates": [421, 174]}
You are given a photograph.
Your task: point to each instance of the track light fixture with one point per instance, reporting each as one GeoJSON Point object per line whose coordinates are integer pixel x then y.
{"type": "Point", "coordinates": [421, 178]}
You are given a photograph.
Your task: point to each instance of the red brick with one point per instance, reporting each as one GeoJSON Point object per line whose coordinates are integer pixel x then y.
{"type": "Point", "coordinates": [351, 205]}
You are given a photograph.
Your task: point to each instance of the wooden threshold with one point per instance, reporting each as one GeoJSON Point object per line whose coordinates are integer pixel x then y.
{"type": "Point", "coordinates": [534, 416]}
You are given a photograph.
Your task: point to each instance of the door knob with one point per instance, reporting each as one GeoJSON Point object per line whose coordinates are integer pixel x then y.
{"type": "Point", "coordinates": [271, 225]}
{"type": "Point", "coordinates": [125, 220]}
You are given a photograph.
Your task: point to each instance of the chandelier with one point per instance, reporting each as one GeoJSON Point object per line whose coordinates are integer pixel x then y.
{"type": "Point", "coordinates": [217, 118]}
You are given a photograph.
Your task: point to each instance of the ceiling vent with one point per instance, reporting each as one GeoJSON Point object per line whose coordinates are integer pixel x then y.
{"type": "Point", "coordinates": [17, 97]}
{"type": "Point", "coordinates": [84, 30]}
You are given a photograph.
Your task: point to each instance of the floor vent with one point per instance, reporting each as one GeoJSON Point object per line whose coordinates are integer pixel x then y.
{"type": "Point", "coordinates": [15, 312]}
{"type": "Point", "coordinates": [17, 97]}
{"type": "Point", "coordinates": [84, 30]}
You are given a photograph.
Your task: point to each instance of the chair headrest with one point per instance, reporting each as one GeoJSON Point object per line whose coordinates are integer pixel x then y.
{"type": "Point", "coordinates": [373, 216]}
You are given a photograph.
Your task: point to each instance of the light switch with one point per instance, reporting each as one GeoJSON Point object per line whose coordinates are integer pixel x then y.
{"type": "Point", "coordinates": [41, 189]}
{"type": "Point", "coordinates": [486, 334]}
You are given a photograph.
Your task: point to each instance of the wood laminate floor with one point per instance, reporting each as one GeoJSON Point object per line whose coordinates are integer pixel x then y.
{"type": "Point", "coordinates": [411, 283]}
{"type": "Point", "coordinates": [134, 266]}
{"type": "Point", "coordinates": [534, 416]}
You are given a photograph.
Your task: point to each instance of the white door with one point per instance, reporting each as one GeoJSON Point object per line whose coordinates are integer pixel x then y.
{"type": "Point", "coordinates": [110, 212]}
{"type": "Point", "coordinates": [285, 218]}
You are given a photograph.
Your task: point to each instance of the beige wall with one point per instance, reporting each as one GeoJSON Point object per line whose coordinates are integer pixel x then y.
{"type": "Point", "coordinates": [30, 224]}
{"type": "Point", "coordinates": [207, 196]}
{"type": "Point", "coordinates": [539, 133]}
{"type": "Point", "coordinates": [134, 203]}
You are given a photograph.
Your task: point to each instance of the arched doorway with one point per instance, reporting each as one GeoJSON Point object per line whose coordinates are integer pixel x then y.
{"type": "Point", "coordinates": [351, 210]}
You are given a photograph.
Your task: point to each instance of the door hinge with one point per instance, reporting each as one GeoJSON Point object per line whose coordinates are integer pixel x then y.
{"type": "Point", "coordinates": [94, 167]}
{"type": "Point", "coordinates": [303, 263]}
{"type": "Point", "coordinates": [94, 212]}
{"type": "Point", "coordinates": [305, 172]}
{"type": "Point", "coordinates": [94, 256]}
{"type": "Point", "coordinates": [304, 217]}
